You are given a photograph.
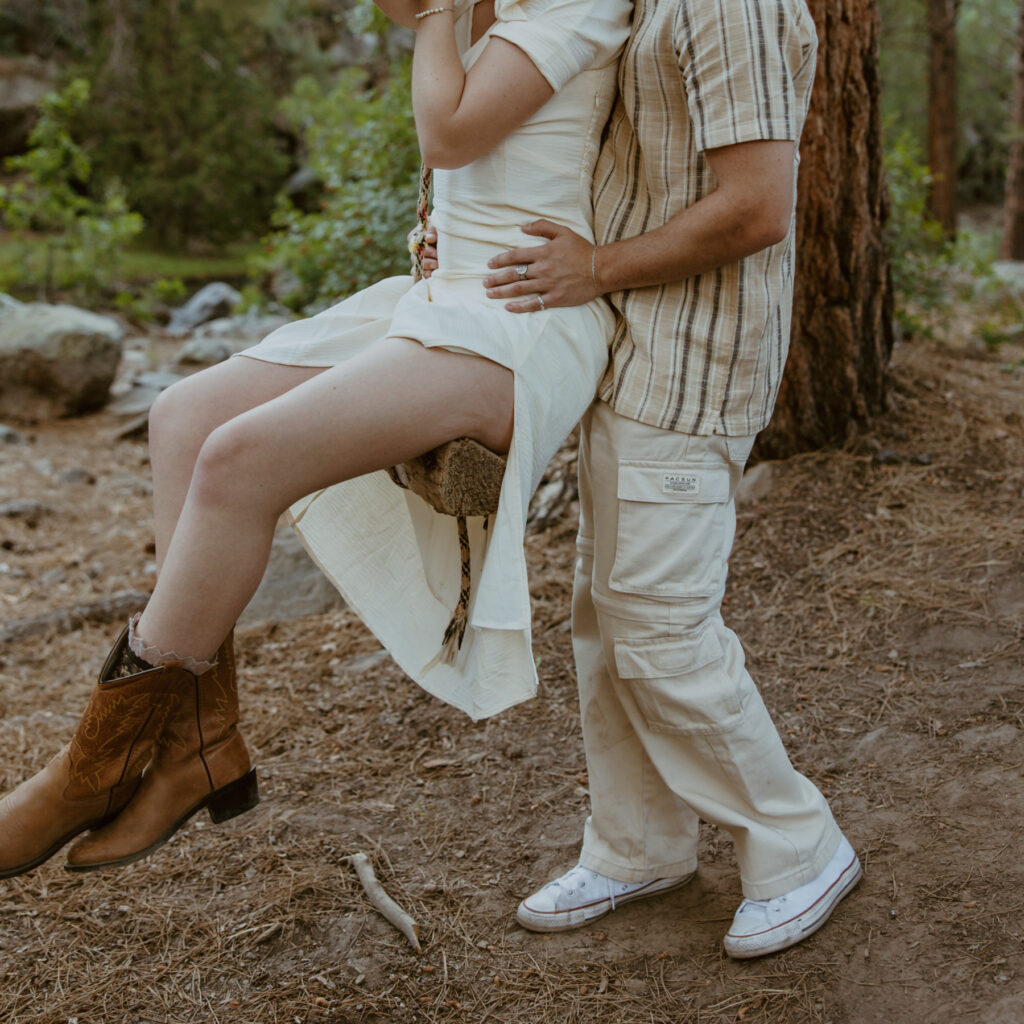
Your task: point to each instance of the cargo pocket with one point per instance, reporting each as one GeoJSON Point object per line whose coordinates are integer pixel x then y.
{"type": "Point", "coordinates": [671, 531]}
{"type": "Point", "coordinates": [677, 685]}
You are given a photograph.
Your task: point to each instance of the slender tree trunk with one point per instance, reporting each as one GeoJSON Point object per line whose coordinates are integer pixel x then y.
{"type": "Point", "coordinates": [842, 313]}
{"type": "Point", "coordinates": [942, 116]}
{"type": "Point", "coordinates": [1013, 210]}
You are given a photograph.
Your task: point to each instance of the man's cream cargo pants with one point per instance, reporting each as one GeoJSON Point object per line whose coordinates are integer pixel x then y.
{"type": "Point", "coordinates": [673, 725]}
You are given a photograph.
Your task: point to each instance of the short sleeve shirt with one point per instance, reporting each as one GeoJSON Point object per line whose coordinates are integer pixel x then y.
{"type": "Point", "coordinates": [563, 37]}
{"type": "Point", "coordinates": [703, 355]}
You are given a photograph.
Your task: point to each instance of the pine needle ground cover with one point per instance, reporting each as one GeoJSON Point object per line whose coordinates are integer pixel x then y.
{"type": "Point", "coordinates": [879, 591]}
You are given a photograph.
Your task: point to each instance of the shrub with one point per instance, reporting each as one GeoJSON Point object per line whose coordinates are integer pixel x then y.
{"type": "Point", "coordinates": [185, 115]}
{"type": "Point", "coordinates": [361, 144]}
{"type": "Point", "coordinates": [62, 237]}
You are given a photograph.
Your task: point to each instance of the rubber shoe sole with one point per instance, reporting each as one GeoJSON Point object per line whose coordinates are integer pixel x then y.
{"type": "Point", "coordinates": [587, 913]}
{"type": "Point", "coordinates": [798, 927]}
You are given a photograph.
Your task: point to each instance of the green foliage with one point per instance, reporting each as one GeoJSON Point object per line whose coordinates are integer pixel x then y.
{"type": "Point", "coordinates": [184, 118]}
{"type": "Point", "coordinates": [153, 301]}
{"type": "Point", "coordinates": [918, 251]}
{"type": "Point", "coordinates": [986, 32]}
{"type": "Point", "coordinates": [931, 273]}
{"type": "Point", "coordinates": [361, 144]}
{"type": "Point", "coordinates": [83, 235]}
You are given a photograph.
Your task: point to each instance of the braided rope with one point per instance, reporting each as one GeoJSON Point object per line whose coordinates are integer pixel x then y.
{"type": "Point", "coordinates": [418, 237]}
{"type": "Point", "coordinates": [456, 629]}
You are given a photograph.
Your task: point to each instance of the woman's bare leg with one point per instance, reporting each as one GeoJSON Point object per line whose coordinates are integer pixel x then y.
{"type": "Point", "coordinates": [390, 403]}
{"type": "Point", "coordinates": [186, 414]}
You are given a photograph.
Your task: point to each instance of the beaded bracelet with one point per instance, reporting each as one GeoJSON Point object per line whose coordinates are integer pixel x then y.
{"type": "Point", "coordinates": [433, 10]}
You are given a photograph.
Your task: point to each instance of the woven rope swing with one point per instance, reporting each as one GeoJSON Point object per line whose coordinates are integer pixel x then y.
{"type": "Point", "coordinates": [461, 478]}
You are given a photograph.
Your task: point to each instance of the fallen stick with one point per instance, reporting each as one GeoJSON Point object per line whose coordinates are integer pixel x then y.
{"type": "Point", "coordinates": [382, 902]}
{"type": "Point", "coordinates": [65, 620]}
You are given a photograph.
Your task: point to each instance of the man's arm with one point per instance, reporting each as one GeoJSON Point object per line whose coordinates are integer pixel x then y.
{"type": "Point", "coordinates": [749, 210]}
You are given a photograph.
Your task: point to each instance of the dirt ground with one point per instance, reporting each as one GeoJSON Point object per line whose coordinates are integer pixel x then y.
{"type": "Point", "coordinates": [880, 596]}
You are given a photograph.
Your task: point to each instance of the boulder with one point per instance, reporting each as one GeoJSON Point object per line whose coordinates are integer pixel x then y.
{"type": "Point", "coordinates": [758, 482]}
{"type": "Point", "coordinates": [220, 339]}
{"type": "Point", "coordinates": [293, 585]}
{"type": "Point", "coordinates": [55, 360]}
{"type": "Point", "coordinates": [211, 301]}
{"type": "Point", "coordinates": [23, 83]}
{"type": "Point", "coordinates": [142, 392]}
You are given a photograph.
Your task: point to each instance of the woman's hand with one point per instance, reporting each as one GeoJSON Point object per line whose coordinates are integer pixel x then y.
{"type": "Point", "coordinates": [430, 250]}
{"type": "Point", "coordinates": [428, 257]}
{"type": "Point", "coordinates": [563, 271]}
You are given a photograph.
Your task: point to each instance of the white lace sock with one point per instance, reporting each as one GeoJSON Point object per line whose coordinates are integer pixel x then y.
{"type": "Point", "coordinates": [152, 655]}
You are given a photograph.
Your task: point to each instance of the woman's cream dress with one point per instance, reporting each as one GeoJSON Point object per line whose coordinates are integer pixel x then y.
{"type": "Point", "coordinates": [394, 559]}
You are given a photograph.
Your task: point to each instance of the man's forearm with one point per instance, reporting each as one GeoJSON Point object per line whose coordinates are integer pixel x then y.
{"type": "Point", "coordinates": [718, 230]}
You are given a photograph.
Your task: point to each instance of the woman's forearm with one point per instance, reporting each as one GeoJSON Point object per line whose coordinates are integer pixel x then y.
{"type": "Point", "coordinates": [438, 82]}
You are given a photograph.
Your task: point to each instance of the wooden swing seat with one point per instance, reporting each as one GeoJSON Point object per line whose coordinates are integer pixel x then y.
{"type": "Point", "coordinates": [460, 478]}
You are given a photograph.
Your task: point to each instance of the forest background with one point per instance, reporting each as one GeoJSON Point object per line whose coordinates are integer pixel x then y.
{"type": "Point", "coordinates": [272, 142]}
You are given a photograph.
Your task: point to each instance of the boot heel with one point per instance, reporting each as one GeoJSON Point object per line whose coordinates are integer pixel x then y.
{"type": "Point", "coordinates": [235, 798]}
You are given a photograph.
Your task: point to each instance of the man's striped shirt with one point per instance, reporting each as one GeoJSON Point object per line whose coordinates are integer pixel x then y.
{"type": "Point", "coordinates": [703, 355]}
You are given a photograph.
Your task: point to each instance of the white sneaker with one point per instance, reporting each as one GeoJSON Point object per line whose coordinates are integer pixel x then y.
{"type": "Point", "coordinates": [766, 926]}
{"type": "Point", "coordinates": [581, 896]}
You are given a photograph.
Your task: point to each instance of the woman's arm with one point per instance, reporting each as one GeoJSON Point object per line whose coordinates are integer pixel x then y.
{"type": "Point", "coordinates": [461, 117]}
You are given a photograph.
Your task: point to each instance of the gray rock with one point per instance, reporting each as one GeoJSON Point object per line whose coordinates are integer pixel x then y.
{"type": "Point", "coordinates": [1010, 272]}
{"type": "Point", "coordinates": [212, 301]}
{"type": "Point", "coordinates": [292, 587]}
{"type": "Point", "coordinates": [207, 351]}
{"type": "Point", "coordinates": [143, 392]}
{"type": "Point", "coordinates": [220, 339]}
{"type": "Point", "coordinates": [363, 662]}
{"type": "Point", "coordinates": [75, 475]}
{"type": "Point", "coordinates": [55, 360]}
{"type": "Point", "coordinates": [758, 482]}
{"type": "Point", "coordinates": [8, 435]}
{"type": "Point", "coordinates": [889, 457]}
{"type": "Point", "coordinates": [23, 83]}
{"type": "Point", "coordinates": [23, 508]}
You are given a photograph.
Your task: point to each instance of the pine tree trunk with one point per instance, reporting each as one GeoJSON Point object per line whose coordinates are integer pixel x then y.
{"type": "Point", "coordinates": [842, 311]}
{"type": "Point", "coordinates": [942, 115]}
{"type": "Point", "coordinates": [1013, 210]}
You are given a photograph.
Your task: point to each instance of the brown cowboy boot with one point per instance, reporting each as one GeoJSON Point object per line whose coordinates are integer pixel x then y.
{"type": "Point", "coordinates": [95, 775]}
{"type": "Point", "coordinates": [201, 761]}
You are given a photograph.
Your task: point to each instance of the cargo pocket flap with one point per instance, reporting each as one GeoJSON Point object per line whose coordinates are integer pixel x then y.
{"type": "Point", "coordinates": [663, 657]}
{"type": "Point", "coordinates": [672, 482]}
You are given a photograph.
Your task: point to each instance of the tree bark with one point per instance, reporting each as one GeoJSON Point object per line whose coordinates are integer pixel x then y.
{"type": "Point", "coordinates": [942, 115]}
{"type": "Point", "coordinates": [1013, 209]}
{"type": "Point", "coordinates": [842, 312]}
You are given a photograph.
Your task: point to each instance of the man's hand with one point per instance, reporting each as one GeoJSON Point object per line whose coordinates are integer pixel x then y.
{"type": "Point", "coordinates": [561, 271]}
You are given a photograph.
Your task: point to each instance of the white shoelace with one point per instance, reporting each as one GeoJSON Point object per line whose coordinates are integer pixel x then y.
{"type": "Point", "coordinates": [577, 878]}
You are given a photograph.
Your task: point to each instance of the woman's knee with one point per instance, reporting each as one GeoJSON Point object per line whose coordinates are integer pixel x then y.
{"type": "Point", "coordinates": [179, 421]}
{"type": "Point", "coordinates": [228, 469]}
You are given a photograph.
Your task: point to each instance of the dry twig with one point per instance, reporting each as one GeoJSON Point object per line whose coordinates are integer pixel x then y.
{"type": "Point", "coordinates": [382, 902]}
